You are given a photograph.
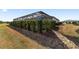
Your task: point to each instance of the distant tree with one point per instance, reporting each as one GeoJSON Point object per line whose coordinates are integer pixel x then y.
{"type": "Point", "coordinates": [1, 21]}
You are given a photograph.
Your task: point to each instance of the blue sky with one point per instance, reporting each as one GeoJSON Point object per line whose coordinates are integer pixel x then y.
{"type": "Point", "coordinates": [61, 14]}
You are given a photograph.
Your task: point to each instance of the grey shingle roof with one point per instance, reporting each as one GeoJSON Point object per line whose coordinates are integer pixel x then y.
{"type": "Point", "coordinates": [40, 14]}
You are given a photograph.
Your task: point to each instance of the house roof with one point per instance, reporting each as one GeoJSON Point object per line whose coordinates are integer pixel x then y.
{"type": "Point", "coordinates": [40, 14]}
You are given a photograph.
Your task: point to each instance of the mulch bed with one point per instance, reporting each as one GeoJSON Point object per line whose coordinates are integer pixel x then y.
{"type": "Point", "coordinates": [55, 40]}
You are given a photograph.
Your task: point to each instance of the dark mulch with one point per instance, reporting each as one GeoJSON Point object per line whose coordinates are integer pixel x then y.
{"type": "Point", "coordinates": [50, 34]}
{"type": "Point", "coordinates": [60, 44]}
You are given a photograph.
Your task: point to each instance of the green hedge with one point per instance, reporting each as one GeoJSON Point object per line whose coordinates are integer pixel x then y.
{"type": "Point", "coordinates": [35, 25]}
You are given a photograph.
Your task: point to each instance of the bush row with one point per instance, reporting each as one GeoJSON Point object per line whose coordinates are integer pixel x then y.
{"type": "Point", "coordinates": [35, 25]}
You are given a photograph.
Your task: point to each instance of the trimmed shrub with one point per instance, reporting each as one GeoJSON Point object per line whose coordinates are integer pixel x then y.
{"type": "Point", "coordinates": [33, 25]}
{"type": "Point", "coordinates": [28, 25]}
{"type": "Point", "coordinates": [39, 23]}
